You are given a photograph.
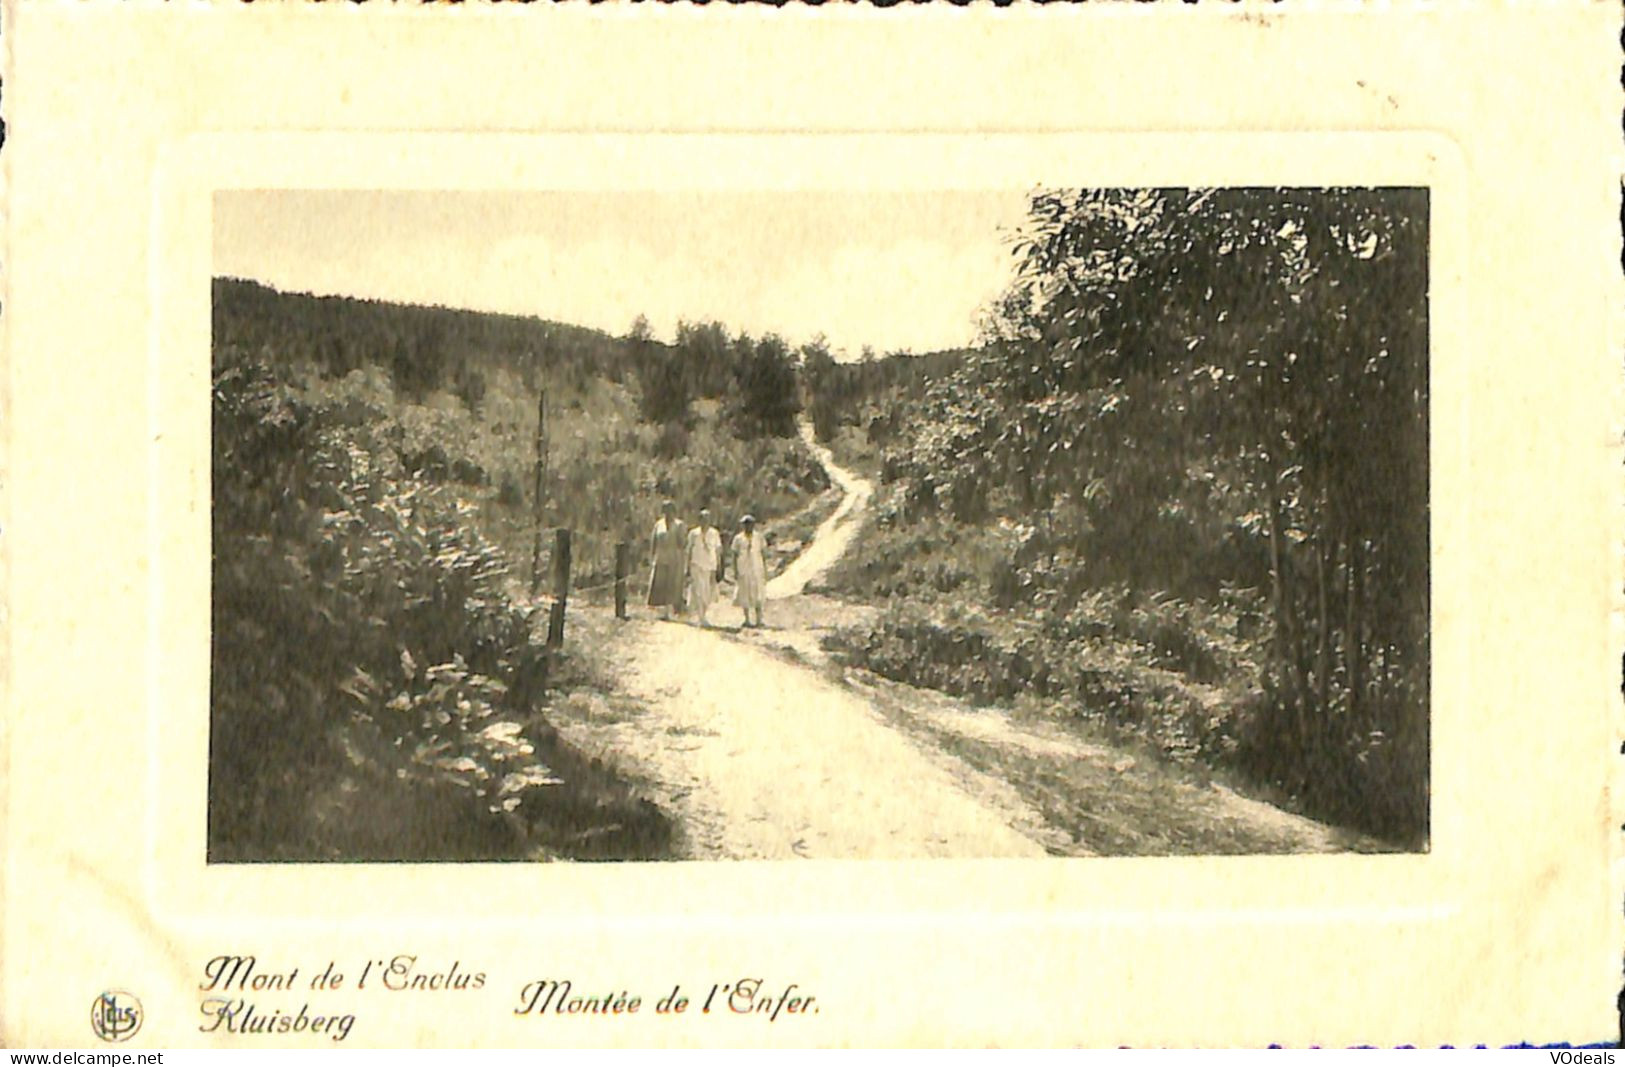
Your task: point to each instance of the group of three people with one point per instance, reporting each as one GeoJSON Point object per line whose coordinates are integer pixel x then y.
{"type": "Point", "coordinates": [694, 558]}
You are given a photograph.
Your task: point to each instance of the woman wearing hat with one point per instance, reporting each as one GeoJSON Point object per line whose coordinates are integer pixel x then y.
{"type": "Point", "coordinates": [749, 570]}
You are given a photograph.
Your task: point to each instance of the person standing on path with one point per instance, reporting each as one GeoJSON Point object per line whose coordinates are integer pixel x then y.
{"type": "Point", "coordinates": [668, 546]}
{"type": "Point", "coordinates": [750, 571]}
{"type": "Point", "coordinates": [704, 559]}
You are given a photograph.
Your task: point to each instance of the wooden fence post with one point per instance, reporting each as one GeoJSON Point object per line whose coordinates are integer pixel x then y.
{"type": "Point", "coordinates": [529, 679]}
{"type": "Point", "coordinates": [538, 489]}
{"type": "Point", "coordinates": [620, 579]}
{"type": "Point", "coordinates": [561, 587]}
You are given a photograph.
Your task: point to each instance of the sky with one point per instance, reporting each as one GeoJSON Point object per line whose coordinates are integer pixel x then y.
{"type": "Point", "coordinates": [894, 270]}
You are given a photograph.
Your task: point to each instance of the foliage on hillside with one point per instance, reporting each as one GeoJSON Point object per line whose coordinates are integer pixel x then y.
{"type": "Point", "coordinates": [423, 349]}
{"type": "Point", "coordinates": [362, 640]}
{"type": "Point", "coordinates": [376, 688]}
{"type": "Point", "coordinates": [1200, 399]}
{"type": "Point", "coordinates": [866, 400]}
{"type": "Point", "coordinates": [613, 453]}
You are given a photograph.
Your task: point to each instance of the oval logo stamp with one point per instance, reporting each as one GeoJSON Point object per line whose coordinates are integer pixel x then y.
{"type": "Point", "coordinates": [115, 1015]}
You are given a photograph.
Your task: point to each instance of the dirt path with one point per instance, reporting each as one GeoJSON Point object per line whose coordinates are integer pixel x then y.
{"type": "Point", "coordinates": [764, 758]}
{"type": "Point", "coordinates": [771, 761]}
{"type": "Point", "coordinates": [765, 749]}
{"type": "Point", "coordinates": [833, 536]}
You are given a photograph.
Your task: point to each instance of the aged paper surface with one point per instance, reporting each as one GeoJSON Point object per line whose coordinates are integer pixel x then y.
{"type": "Point", "coordinates": [128, 124]}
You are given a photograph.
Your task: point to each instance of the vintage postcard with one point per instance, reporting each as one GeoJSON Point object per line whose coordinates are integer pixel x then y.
{"type": "Point", "coordinates": [668, 526]}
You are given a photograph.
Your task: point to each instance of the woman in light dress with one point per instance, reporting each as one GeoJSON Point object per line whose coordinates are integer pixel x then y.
{"type": "Point", "coordinates": [668, 548]}
{"type": "Point", "coordinates": [750, 571]}
{"type": "Point", "coordinates": [704, 562]}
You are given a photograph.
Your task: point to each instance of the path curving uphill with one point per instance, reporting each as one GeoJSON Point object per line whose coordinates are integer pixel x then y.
{"type": "Point", "coordinates": [833, 536]}
{"type": "Point", "coordinates": [768, 758]}
{"type": "Point", "coordinates": [765, 750]}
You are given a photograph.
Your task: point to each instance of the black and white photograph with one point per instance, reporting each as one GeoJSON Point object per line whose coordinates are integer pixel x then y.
{"type": "Point", "coordinates": [656, 526]}
{"type": "Point", "coordinates": [711, 526]}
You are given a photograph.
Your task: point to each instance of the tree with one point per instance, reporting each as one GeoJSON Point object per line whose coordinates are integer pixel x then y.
{"type": "Point", "coordinates": [468, 382]}
{"type": "Point", "coordinates": [1229, 384]}
{"type": "Point", "coordinates": [418, 357]}
{"type": "Point", "coordinates": [826, 388]}
{"type": "Point", "coordinates": [766, 401]}
{"type": "Point", "coordinates": [666, 391]}
{"type": "Point", "coordinates": [706, 357]}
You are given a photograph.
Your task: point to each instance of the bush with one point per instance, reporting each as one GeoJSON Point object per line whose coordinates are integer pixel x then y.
{"type": "Point", "coordinates": [672, 442]}
{"type": "Point", "coordinates": [1178, 636]}
{"type": "Point", "coordinates": [666, 395]}
{"type": "Point", "coordinates": [825, 412]}
{"type": "Point", "coordinates": [1349, 769]}
{"type": "Point", "coordinates": [992, 661]}
{"type": "Point", "coordinates": [766, 400]}
{"type": "Point", "coordinates": [510, 495]}
{"type": "Point", "coordinates": [418, 363]}
{"type": "Point", "coordinates": [469, 386]}
{"type": "Point", "coordinates": [360, 627]}
{"type": "Point", "coordinates": [1174, 674]}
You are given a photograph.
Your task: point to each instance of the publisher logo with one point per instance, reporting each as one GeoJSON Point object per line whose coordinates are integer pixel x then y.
{"type": "Point", "coordinates": [115, 1016]}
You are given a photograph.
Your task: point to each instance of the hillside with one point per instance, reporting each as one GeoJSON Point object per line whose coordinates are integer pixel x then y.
{"type": "Point", "coordinates": [378, 690]}
{"type": "Point", "coordinates": [1180, 492]}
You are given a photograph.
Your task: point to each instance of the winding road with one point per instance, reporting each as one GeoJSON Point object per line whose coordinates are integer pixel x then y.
{"type": "Point", "coordinates": [764, 749]}
{"type": "Point", "coordinates": [829, 542]}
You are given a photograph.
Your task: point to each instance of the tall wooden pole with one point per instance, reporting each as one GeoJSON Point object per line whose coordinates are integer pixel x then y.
{"type": "Point", "coordinates": [561, 588]}
{"type": "Point", "coordinates": [622, 551]}
{"type": "Point", "coordinates": [539, 490]}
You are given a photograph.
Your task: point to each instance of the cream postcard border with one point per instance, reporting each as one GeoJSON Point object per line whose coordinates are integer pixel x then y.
{"type": "Point", "coordinates": [1148, 891]}
{"type": "Point", "coordinates": [1506, 930]}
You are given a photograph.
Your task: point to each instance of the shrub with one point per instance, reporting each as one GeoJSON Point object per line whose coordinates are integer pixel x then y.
{"type": "Point", "coordinates": [672, 442]}
{"type": "Point", "coordinates": [666, 394]}
{"type": "Point", "coordinates": [469, 386]}
{"type": "Point", "coordinates": [766, 400]}
{"type": "Point", "coordinates": [510, 495]}
{"type": "Point", "coordinates": [418, 362]}
{"type": "Point", "coordinates": [989, 661]}
{"type": "Point", "coordinates": [336, 574]}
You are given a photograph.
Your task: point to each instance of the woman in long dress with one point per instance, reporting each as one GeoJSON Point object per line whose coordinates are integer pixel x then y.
{"type": "Point", "coordinates": [704, 559]}
{"type": "Point", "coordinates": [750, 571]}
{"type": "Point", "coordinates": [668, 547]}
